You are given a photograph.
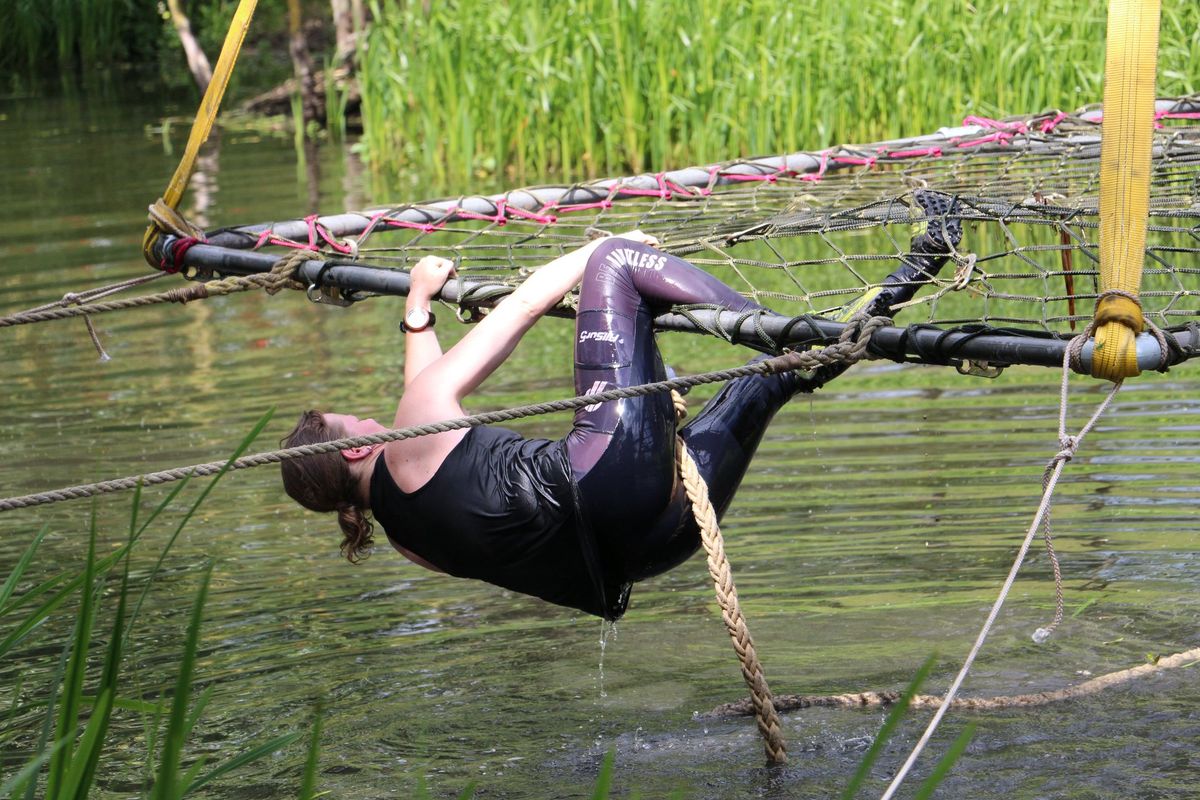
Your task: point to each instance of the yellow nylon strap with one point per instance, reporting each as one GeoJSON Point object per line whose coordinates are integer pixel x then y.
{"type": "Point", "coordinates": [206, 115]}
{"type": "Point", "coordinates": [1125, 163]}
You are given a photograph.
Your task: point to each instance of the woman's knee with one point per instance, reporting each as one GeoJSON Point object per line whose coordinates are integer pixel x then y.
{"type": "Point", "coordinates": [621, 254]}
{"type": "Point", "coordinates": [608, 283]}
{"type": "Point", "coordinates": [598, 265]}
{"type": "Point", "coordinates": [616, 258]}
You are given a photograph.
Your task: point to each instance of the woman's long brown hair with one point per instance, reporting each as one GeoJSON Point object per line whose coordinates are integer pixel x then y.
{"type": "Point", "coordinates": [324, 483]}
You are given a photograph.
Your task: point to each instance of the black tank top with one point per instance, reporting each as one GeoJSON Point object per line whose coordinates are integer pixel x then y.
{"type": "Point", "coordinates": [502, 509]}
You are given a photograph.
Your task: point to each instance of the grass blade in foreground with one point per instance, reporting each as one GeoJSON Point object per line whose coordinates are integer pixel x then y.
{"type": "Point", "coordinates": [946, 763]}
{"type": "Point", "coordinates": [76, 784]}
{"type": "Point", "coordinates": [604, 779]}
{"type": "Point", "coordinates": [34, 618]}
{"type": "Point", "coordinates": [889, 725]}
{"type": "Point", "coordinates": [102, 713]}
{"type": "Point", "coordinates": [309, 784]}
{"type": "Point", "coordinates": [264, 749]}
{"type": "Point", "coordinates": [13, 786]}
{"type": "Point", "coordinates": [74, 756]}
{"type": "Point", "coordinates": [14, 576]}
{"type": "Point", "coordinates": [68, 714]}
{"type": "Point", "coordinates": [60, 669]}
{"type": "Point", "coordinates": [165, 786]}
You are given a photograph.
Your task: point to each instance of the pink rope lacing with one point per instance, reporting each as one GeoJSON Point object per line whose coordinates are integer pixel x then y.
{"type": "Point", "coordinates": [1002, 133]}
{"type": "Point", "coordinates": [316, 231]}
{"type": "Point", "coordinates": [917, 152]}
{"type": "Point", "coordinates": [1017, 126]}
{"type": "Point", "coordinates": [1051, 124]}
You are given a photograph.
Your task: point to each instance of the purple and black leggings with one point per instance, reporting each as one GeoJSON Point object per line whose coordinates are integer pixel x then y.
{"type": "Point", "coordinates": [622, 452]}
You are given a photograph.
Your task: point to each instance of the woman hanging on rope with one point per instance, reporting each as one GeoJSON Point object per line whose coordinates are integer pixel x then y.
{"type": "Point", "coordinates": [575, 521]}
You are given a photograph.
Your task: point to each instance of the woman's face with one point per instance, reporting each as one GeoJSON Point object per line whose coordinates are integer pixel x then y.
{"type": "Point", "coordinates": [352, 425]}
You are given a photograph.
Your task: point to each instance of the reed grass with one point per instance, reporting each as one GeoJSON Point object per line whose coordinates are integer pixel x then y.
{"type": "Point", "coordinates": [461, 90]}
{"type": "Point", "coordinates": [336, 99]}
{"type": "Point", "coordinates": [69, 37]}
{"type": "Point", "coordinates": [69, 749]}
{"type": "Point", "coordinates": [74, 41]}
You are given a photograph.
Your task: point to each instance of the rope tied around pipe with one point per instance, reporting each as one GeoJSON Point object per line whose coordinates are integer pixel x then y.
{"type": "Point", "coordinates": [280, 277]}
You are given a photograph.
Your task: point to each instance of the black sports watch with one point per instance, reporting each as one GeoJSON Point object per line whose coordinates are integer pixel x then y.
{"type": "Point", "coordinates": [417, 319]}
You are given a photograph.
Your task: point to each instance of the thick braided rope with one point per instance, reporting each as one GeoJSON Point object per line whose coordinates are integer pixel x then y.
{"type": "Point", "coordinates": [731, 611]}
{"type": "Point", "coordinates": [844, 351]}
{"type": "Point", "coordinates": [1111, 680]}
{"type": "Point", "coordinates": [279, 278]}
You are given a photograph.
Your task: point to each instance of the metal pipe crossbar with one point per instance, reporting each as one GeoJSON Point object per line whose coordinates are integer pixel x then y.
{"type": "Point", "coordinates": [926, 344]}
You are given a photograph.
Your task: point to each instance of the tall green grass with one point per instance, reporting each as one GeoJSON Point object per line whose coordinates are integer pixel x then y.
{"type": "Point", "coordinates": [70, 40]}
{"type": "Point", "coordinates": [74, 731]}
{"type": "Point", "coordinates": [590, 87]}
{"type": "Point", "coordinates": [70, 37]}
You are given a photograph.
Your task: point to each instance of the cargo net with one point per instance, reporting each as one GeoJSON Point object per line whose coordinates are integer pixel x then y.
{"type": "Point", "coordinates": [810, 233]}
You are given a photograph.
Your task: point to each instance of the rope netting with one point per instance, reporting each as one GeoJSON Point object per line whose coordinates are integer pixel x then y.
{"type": "Point", "coordinates": [810, 233]}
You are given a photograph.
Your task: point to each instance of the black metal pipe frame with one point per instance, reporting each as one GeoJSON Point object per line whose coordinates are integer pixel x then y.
{"type": "Point", "coordinates": [926, 344]}
{"type": "Point", "coordinates": [226, 252]}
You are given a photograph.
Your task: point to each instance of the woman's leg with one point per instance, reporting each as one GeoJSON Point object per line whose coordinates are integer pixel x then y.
{"type": "Point", "coordinates": [722, 440]}
{"type": "Point", "coordinates": [624, 285]}
{"type": "Point", "coordinates": [623, 452]}
{"type": "Point", "coordinates": [724, 436]}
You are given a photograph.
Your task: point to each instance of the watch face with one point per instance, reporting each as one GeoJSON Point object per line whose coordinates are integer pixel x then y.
{"type": "Point", "coordinates": [416, 319]}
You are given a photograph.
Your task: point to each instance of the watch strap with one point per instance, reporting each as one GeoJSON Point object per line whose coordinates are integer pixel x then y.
{"type": "Point", "coordinates": [404, 327]}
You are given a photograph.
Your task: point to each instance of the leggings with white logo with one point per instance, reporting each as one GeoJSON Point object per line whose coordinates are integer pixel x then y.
{"type": "Point", "coordinates": [622, 452]}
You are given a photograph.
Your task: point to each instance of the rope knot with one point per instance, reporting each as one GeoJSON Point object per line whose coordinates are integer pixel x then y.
{"type": "Point", "coordinates": [1118, 305]}
{"type": "Point", "coordinates": [858, 332]}
{"type": "Point", "coordinates": [185, 294]}
{"type": "Point", "coordinates": [283, 274]}
{"type": "Point", "coordinates": [1067, 447]}
{"type": "Point", "coordinates": [168, 220]}
{"type": "Point", "coordinates": [165, 219]}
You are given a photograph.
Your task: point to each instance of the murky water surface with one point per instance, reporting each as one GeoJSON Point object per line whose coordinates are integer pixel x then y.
{"type": "Point", "coordinates": [874, 529]}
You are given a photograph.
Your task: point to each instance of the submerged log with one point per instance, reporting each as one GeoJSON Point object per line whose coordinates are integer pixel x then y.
{"type": "Point", "coordinates": [278, 100]}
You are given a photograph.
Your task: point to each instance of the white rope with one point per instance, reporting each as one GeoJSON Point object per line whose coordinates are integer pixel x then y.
{"type": "Point", "coordinates": [1068, 445]}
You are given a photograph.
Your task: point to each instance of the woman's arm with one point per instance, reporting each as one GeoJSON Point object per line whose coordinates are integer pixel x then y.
{"type": "Point", "coordinates": [421, 348]}
{"type": "Point", "coordinates": [466, 365]}
{"type": "Point", "coordinates": [438, 390]}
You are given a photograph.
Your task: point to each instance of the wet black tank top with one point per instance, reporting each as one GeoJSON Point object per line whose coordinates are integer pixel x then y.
{"type": "Point", "coordinates": [502, 509]}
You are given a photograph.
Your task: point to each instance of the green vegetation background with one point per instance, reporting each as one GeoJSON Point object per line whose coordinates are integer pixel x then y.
{"type": "Point", "coordinates": [462, 90]}
{"type": "Point", "coordinates": [81, 42]}
{"type": "Point", "coordinates": [591, 87]}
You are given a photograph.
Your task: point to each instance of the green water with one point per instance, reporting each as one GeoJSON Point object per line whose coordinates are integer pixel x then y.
{"type": "Point", "coordinates": [874, 529]}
